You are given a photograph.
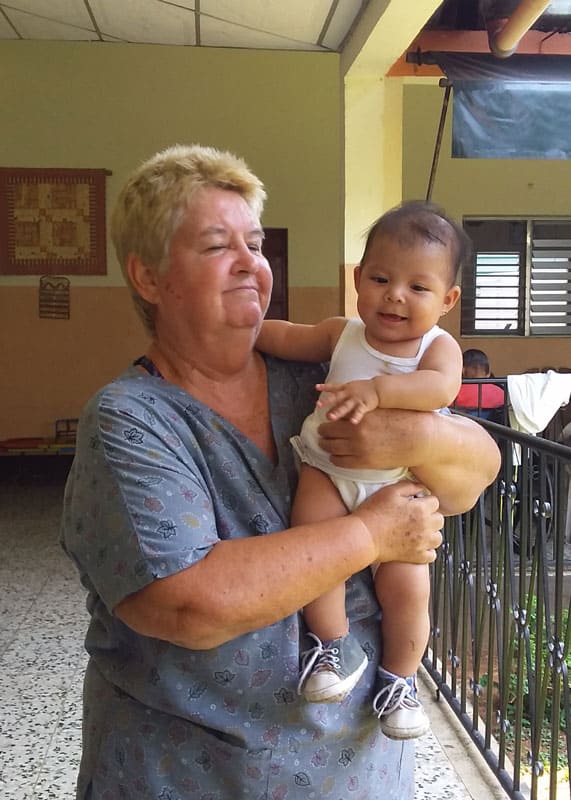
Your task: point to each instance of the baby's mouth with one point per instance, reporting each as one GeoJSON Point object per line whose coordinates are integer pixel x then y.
{"type": "Point", "coordinates": [392, 317]}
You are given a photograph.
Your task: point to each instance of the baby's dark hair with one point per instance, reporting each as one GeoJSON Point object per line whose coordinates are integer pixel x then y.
{"type": "Point", "coordinates": [476, 359]}
{"type": "Point", "coordinates": [415, 220]}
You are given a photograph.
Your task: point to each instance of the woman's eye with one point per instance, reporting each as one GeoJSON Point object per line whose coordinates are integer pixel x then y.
{"type": "Point", "coordinates": [255, 247]}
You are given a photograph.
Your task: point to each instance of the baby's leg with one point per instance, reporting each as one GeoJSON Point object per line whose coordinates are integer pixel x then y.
{"type": "Point", "coordinates": [403, 591]}
{"type": "Point", "coordinates": [334, 665]}
{"type": "Point", "coordinates": [317, 499]}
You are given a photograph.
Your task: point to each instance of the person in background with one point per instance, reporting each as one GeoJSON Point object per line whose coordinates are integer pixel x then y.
{"type": "Point", "coordinates": [478, 399]}
{"type": "Point", "coordinates": [177, 509]}
{"type": "Point", "coordinates": [393, 356]}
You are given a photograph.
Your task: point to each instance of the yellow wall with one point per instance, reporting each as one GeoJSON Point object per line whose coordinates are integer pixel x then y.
{"type": "Point", "coordinates": [373, 121]}
{"type": "Point", "coordinates": [112, 105]}
{"type": "Point", "coordinates": [486, 187]}
{"type": "Point", "coordinates": [373, 164]}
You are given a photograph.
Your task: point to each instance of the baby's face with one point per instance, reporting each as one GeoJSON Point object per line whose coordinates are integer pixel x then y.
{"type": "Point", "coordinates": [403, 290]}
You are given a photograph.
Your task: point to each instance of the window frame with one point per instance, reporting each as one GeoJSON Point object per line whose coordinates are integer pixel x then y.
{"type": "Point", "coordinates": [470, 324]}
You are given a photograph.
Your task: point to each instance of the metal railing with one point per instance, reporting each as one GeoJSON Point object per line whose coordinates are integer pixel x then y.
{"type": "Point", "coordinates": [497, 414]}
{"type": "Point", "coordinates": [500, 641]}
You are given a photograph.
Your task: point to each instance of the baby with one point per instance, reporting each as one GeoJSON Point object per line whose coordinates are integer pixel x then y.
{"type": "Point", "coordinates": [393, 356]}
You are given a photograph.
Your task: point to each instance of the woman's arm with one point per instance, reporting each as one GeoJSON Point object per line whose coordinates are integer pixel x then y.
{"type": "Point", "coordinates": [246, 584]}
{"type": "Point", "coordinates": [452, 455]}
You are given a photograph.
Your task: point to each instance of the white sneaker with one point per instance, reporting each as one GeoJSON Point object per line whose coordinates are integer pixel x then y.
{"type": "Point", "coordinates": [330, 671]}
{"type": "Point", "coordinates": [401, 715]}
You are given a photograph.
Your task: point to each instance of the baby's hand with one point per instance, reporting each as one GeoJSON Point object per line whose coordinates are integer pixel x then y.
{"type": "Point", "coordinates": [348, 400]}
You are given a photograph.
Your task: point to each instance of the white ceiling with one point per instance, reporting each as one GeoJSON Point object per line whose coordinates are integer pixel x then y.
{"type": "Point", "coordinates": [317, 25]}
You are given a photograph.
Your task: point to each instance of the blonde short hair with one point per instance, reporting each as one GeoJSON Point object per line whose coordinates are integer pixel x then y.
{"type": "Point", "coordinates": [152, 203]}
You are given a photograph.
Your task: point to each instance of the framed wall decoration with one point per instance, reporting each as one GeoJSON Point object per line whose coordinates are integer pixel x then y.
{"type": "Point", "coordinates": [52, 221]}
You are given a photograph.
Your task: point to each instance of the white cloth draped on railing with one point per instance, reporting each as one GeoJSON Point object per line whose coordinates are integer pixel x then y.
{"type": "Point", "coordinates": [535, 397]}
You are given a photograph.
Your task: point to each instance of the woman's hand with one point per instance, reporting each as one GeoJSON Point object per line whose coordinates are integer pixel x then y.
{"type": "Point", "coordinates": [404, 522]}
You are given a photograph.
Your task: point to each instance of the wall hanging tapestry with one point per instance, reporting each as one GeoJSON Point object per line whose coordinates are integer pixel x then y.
{"type": "Point", "coordinates": [52, 221]}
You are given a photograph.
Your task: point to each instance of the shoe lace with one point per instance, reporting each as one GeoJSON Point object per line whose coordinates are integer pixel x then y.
{"type": "Point", "coordinates": [397, 694]}
{"type": "Point", "coordinates": [317, 659]}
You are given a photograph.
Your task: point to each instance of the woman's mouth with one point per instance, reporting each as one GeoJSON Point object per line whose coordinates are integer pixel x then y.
{"type": "Point", "coordinates": [246, 289]}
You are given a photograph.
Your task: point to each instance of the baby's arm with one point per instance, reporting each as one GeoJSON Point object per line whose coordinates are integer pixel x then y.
{"type": "Point", "coordinates": [300, 342]}
{"type": "Point", "coordinates": [433, 385]}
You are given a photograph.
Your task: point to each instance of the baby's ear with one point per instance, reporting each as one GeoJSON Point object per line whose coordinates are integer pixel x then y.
{"type": "Point", "coordinates": [357, 276]}
{"type": "Point", "coordinates": [451, 298]}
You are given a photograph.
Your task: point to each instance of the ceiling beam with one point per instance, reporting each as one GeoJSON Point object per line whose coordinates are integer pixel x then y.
{"type": "Point", "coordinates": [380, 34]}
{"type": "Point", "coordinates": [93, 20]}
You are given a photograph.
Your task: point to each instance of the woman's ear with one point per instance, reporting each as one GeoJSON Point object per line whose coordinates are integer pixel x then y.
{"type": "Point", "coordinates": [142, 278]}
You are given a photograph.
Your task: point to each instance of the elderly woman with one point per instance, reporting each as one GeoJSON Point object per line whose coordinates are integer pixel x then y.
{"type": "Point", "coordinates": [177, 509]}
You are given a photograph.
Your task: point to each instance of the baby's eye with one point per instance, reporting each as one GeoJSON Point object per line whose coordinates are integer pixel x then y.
{"type": "Point", "coordinates": [379, 279]}
{"type": "Point", "coordinates": [418, 288]}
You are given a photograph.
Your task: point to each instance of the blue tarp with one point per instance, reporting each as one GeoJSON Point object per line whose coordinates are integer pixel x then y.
{"type": "Point", "coordinates": [512, 108]}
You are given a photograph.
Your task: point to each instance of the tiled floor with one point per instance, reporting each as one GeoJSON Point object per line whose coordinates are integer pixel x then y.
{"type": "Point", "coordinates": [42, 620]}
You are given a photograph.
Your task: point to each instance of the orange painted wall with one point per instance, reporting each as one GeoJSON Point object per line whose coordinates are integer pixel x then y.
{"type": "Point", "coordinates": [310, 304]}
{"type": "Point", "coordinates": [49, 368]}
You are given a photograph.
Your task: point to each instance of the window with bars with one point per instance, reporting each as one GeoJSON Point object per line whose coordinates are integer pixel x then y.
{"type": "Point", "coordinates": [519, 280]}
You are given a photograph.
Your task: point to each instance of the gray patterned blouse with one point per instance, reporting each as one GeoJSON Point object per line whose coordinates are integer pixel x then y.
{"type": "Point", "coordinates": [158, 479]}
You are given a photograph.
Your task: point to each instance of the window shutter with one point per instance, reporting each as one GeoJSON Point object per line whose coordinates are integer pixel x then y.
{"type": "Point", "coordinates": [497, 300]}
{"type": "Point", "coordinates": [550, 293]}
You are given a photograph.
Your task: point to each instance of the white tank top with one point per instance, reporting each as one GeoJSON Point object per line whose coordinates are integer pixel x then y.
{"type": "Point", "coordinates": [355, 359]}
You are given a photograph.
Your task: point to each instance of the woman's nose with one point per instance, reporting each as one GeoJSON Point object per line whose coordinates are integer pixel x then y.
{"type": "Point", "coordinates": [246, 258]}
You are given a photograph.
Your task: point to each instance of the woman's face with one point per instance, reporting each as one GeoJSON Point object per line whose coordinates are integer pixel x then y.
{"type": "Point", "coordinates": [216, 275]}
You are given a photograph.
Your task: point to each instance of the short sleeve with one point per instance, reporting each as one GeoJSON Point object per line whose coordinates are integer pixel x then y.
{"type": "Point", "coordinates": [137, 507]}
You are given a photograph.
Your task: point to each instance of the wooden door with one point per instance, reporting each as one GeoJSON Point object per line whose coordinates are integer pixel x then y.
{"type": "Point", "coordinates": [275, 250]}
